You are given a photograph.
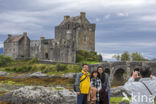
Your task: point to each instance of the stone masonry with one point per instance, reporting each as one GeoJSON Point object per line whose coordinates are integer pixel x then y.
{"type": "Point", "coordinates": [121, 71]}
{"type": "Point", "coordinates": [72, 34]}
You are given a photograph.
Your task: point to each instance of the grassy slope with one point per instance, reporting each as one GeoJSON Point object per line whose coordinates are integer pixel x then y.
{"type": "Point", "coordinates": [27, 67]}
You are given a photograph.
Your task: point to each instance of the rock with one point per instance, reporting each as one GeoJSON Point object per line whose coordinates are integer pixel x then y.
{"type": "Point", "coordinates": [7, 87]}
{"type": "Point", "coordinates": [66, 75]}
{"type": "Point", "coordinates": [38, 74]}
{"type": "Point", "coordinates": [39, 94]}
{"type": "Point", "coordinates": [55, 76]}
{"type": "Point", "coordinates": [116, 91]}
{"type": "Point", "coordinates": [69, 97]}
{"type": "Point", "coordinates": [2, 73]}
{"type": "Point", "coordinates": [69, 75]}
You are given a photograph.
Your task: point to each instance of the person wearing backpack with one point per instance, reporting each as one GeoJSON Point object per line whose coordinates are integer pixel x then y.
{"type": "Point", "coordinates": [82, 85]}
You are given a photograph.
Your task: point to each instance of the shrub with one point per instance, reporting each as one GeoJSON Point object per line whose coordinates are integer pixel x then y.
{"type": "Point", "coordinates": [4, 60]}
{"type": "Point", "coordinates": [61, 67]}
{"type": "Point", "coordinates": [19, 69]}
{"type": "Point", "coordinates": [85, 56]}
{"type": "Point", "coordinates": [33, 61]}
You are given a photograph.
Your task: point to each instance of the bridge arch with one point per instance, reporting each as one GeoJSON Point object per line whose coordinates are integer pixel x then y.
{"type": "Point", "coordinates": [119, 75]}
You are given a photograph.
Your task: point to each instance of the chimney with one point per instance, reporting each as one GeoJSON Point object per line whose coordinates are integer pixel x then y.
{"type": "Point", "coordinates": [83, 17]}
{"type": "Point", "coordinates": [9, 35]}
{"type": "Point", "coordinates": [42, 38]}
{"type": "Point", "coordinates": [25, 33]}
{"type": "Point", "coordinates": [66, 17]}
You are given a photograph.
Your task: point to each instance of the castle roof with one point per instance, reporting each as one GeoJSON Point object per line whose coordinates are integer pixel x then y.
{"type": "Point", "coordinates": [76, 19]}
{"type": "Point", "coordinates": [14, 38]}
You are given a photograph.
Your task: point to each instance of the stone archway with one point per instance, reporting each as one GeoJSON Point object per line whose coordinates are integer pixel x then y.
{"type": "Point", "coordinates": [119, 77]}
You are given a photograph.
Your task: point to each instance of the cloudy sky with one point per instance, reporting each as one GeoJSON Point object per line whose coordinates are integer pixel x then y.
{"type": "Point", "coordinates": [122, 25]}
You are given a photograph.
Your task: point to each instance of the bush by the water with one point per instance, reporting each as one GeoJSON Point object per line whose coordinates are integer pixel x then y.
{"type": "Point", "coordinates": [84, 56]}
{"type": "Point", "coordinates": [4, 60]}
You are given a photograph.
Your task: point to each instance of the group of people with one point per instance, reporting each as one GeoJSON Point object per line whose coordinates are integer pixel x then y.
{"type": "Point", "coordinates": [94, 88]}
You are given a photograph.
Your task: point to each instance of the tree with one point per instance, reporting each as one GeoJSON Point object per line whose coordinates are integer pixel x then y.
{"type": "Point", "coordinates": [137, 57]}
{"type": "Point", "coordinates": [125, 56]}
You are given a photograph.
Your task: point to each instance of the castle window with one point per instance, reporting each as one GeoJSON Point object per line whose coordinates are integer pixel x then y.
{"type": "Point", "coordinates": [46, 55]}
{"type": "Point", "coordinates": [46, 43]}
{"type": "Point", "coordinates": [85, 38]}
{"type": "Point", "coordinates": [90, 29]}
{"type": "Point", "coordinates": [22, 56]}
{"type": "Point", "coordinates": [14, 49]}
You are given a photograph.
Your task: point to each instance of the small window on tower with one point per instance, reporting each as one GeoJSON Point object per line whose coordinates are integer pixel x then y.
{"type": "Point", "coordinates": [45, 43]}
{"type": "Point", "coordinates": [85, 38]}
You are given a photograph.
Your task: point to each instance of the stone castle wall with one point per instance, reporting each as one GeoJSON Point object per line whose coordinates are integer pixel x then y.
{"type": "Point", "coordinates": [74, 33]}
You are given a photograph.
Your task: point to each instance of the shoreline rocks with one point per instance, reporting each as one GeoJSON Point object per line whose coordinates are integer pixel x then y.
{"type": "Point", "coordinates": [40, 94]}
{"type": "Point", "coordinates": [2, 73]}
{"type": "Point", "coordinates": [38, 75]}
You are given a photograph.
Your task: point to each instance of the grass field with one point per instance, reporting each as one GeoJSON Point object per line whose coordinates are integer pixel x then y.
{"type": "Point", "coordinates": [33, 66]}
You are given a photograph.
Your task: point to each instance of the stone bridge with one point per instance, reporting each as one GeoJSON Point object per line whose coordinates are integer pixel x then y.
{"type": "Point", "coordinates": [120, 71]}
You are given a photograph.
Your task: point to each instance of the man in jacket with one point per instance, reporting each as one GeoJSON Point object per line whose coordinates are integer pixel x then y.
{"type": "Point", "coordinates": [143, 91]}
{"type": "Point", "coordinates": [105, 95]}
{"type": "Point", "coordinates": [82, 85]}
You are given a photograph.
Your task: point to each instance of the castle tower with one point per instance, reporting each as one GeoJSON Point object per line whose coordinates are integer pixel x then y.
{"type": "Point", "coordinates": [79, 30]}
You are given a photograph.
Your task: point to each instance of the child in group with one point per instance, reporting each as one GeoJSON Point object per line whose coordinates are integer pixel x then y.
{"type": "Point", "coordinates": [95, 88]}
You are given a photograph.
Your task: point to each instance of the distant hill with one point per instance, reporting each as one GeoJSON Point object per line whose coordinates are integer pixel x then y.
{"type": "Point", "coordinates": [1, 50]}
{"type": "Point", "coordinates": [154, 60]}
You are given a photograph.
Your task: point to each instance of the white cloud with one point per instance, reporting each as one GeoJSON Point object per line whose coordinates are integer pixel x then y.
{"type": "Point", "coordinates": [107, 16]}
{"type": "Point", "coordinates": [107, 56]}
{"type": "Point", "coordinates": [93, 3]}
{"type": "Point", "coordinates": [120, 44]}
{"type": "Point", "coordinates": [1, 45]}
{"type": "Point", "coordinates": [122, 14]}
{"type": "Point", "coordinates": [97, 20]}
{"type": "Point", "coordinates": [34, 20]}
{"type": "Point", "coordinates": [148, 18]}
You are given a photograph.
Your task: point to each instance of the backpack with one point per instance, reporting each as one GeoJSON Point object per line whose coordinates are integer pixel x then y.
{"type": "Point", "coordinates": [80, 75]}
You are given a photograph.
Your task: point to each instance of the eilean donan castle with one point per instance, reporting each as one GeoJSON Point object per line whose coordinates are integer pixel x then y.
{"type": "Point", "coordinates": [72, 34]}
